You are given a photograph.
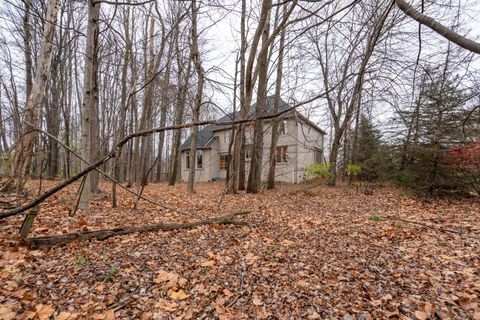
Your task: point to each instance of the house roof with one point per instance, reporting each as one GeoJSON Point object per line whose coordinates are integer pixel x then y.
{"type": "Point", "coordinates": [205, 138]}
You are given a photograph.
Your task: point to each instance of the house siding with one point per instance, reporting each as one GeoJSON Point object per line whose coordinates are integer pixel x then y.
{"type": "Point", "coordinates": [309, 140]}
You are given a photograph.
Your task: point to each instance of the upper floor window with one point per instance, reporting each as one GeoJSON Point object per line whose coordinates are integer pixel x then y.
{"type": "Point", "coordinates": [282, 154]}
{"type": "Point", "coordinates": [282, 127]}
{"type": "Point", "coordinates": [227, 136]}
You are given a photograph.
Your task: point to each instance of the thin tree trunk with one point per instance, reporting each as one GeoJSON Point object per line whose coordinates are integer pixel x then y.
{"type": "Point", "coordinates": [197, 61]}
{"type": "Point", "coordinates": [256, 163]}
{"type": "Point", "coordinates": [163, 113]}
{"type": "Point", "coordinates": [179, 111]}
{"type": "Point", "coordinates": [24, 146]}
{"type": "Point", "coordinates": [123, 107]}
{"type": "Point", "coordinates": [278, 87]}
{"type": "Point", "coordinates": [89, 99]}
{"type": "Point", "coordinates": [27, 41]}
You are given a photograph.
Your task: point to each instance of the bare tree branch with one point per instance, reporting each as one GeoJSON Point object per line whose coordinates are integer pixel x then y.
{"type": "Point", "coordinates": [438, 27]}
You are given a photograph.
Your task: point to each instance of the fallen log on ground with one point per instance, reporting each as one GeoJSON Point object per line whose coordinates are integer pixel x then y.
{"type": "Point", "coordinates": [48, 241]}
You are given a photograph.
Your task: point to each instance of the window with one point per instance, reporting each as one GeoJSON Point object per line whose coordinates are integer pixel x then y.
{"type": "Point", "coordinates": [282, 127]}
{"type": "Point", "coordinates": [199, 159]}
{"type": "Point", "coordinates": [223, 162]}
{"type": "Point", "coordinates": [248, 152]}
{"type": "Point", "coordinates": [227, 136]}
{"type": "Point", "coordinates": [282, 154]}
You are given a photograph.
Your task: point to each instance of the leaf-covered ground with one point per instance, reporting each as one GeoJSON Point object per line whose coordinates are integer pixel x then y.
{"type": "Point", "coordinates": [307, 253]}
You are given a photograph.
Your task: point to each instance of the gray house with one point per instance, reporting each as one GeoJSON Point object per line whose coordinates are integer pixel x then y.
{"type": "Point", "coordinates": [300, 143]}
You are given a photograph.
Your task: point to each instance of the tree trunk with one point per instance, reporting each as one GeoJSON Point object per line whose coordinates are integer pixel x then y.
{"type": "Point", "coordinates": [123, 107]}
{"type": "Point", "coordinates": [197, 61]}
{"type": "Point", "coordinates": [27, 42]}
{"type": "Point", "coordinates": [163, 113]}
{"type": "Point", "coordinates": [179, 111]}
{"type": "Point", "coordinates": [256, 163]}
{"type": "Point", "coordinates": [334, 156]}
{"type": "Point", "coordinates": [90, 98]}
{"type": "Point", "coordinates": [24, 145]}
{"type": "Point", "coordinates": [278, 87]}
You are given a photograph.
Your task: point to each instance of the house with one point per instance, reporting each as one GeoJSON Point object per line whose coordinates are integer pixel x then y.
{"type": "Point", "coordinates": [300, 143]}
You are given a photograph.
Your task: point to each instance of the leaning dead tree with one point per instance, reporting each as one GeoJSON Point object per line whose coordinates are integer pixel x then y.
{"type": "Point", "coordinates": [24, 145]}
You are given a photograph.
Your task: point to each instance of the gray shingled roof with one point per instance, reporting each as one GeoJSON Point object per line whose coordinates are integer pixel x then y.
{"type": "Point", "coordinates": [205, 135]}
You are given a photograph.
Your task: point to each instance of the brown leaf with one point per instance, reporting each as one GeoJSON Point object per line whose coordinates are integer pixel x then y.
{"type": "Point", "coordinates": [64, 315]}
{"type": "Point", "coordinates": [208, 263]}
{"type": "Point", "coordinates": [166, 305]}
{"type": "Point", "coordinates": [44, 311]}
{"type": "Point", "coordinates": [106, 315]}
{"type": "Point", "coordinates": [421, 315]}
{"type": "Point", "coordinates": [7, 313]}
{"type": "Point", "coordinates": [178, 295]}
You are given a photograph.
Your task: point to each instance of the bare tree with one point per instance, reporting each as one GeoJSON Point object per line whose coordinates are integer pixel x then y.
{"type": "Point", "coordinates": [197, 62]}
{"type": "Point", "coordinates": [89, 135]}
{"type": "Point", "coordinates": [24, 145]}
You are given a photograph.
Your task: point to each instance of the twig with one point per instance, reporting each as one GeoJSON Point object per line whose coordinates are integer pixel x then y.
{"type": "Point", "coordinates": [427, 225]}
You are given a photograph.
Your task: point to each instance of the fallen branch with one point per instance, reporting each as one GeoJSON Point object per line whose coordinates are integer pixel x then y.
{"type": "Point", "coordinates": [427, 226]}
{"type": "Point", "coordinates": [49, 241]}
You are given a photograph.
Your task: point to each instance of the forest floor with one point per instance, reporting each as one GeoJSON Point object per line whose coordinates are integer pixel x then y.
{"type": "Point", "coordinates": [308, 252]}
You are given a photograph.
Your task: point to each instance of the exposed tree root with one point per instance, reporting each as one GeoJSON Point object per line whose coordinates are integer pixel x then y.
{"type": "Point", "coordinates": [49, 241]}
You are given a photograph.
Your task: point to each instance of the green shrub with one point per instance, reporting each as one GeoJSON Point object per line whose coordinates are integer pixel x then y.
{"type": "Point", "coordinates": [354, 169]}
{"type": "Point", "coordinates": [315, 170]}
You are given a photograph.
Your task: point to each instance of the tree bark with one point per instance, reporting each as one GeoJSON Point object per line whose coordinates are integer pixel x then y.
{"type": "Point", "coordinates": [197, 62]}
{"type": "Point", "coordinates": [24, 145]}
{"type": "Point", "coordinates": [179, 112]}
{"type": "Point", "coordinates": [165, 87]}
{"type": "Point", "coordinates": [276, 104]}
{"type": "Point", "coordinates": [90, 98]}
{"type": "Point", "coordinates": [123, 105]}
{"type": "Point", "coordinates": [256, 163]}
{"type": "Point", "coordinates": [27, 42]}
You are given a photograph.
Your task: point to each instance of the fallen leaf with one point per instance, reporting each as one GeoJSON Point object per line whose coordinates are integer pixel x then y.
{"type": "Point", "coordinates": [208, 263]}
{"type": "Point", "coordinates": [7, 313]}
{"type": "Point", "coordinates": [421, 315]}
{"type": "Point", "coordinates": [178, 295]}
{"type": "Point", "coordinates": [107, 315]}
{"type": "Point", "coordinates": [257, 301]}
{"type": "Point", "coordinates": [303, 284]}
{"type": "Point", "coordinates": [166, 305]}
{"type": "Point", "coordinates": [44, 311]}
{"type": "Point", "coordinates": [64, 315]}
